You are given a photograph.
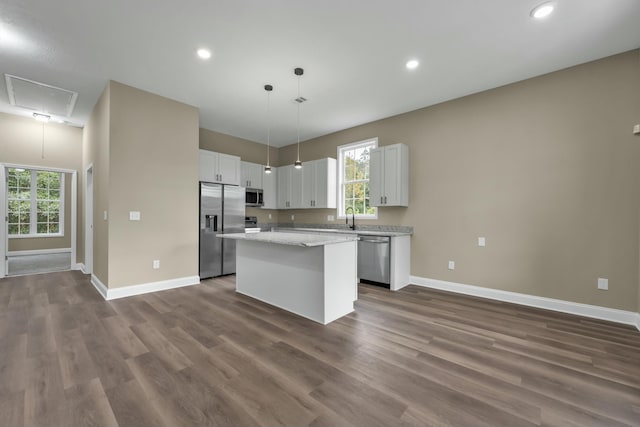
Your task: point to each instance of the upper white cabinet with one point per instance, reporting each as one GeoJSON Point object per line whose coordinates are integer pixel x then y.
{"type": "Point", "coordinates": [319, 183]}
{"type": "Point", "coordinates": [218, 167]}
{"type": "Point", "coordinates": [270, 189]}
{"type": "Point", "coordinates": [289, 188]}
{"type": "Point", "coordinates": [251, 175]}
{"type": "Point", "coordinates": [389, 176]}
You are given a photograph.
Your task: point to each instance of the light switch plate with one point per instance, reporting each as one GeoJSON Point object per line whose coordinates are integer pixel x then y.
{"type": "Point", "coordinates": [105, 215]}
{"type": "Point", "coordinates": [134, 216]}
{"type": "Point", "coordinates": [636, 129]}
{"type": "Point", "coordinates": [452, 265]}
{"type": "Point", "coordinates": [603, 284]}
{"type": "Point", "coordinates": [482, 241]}
{"type": "Point", "coordinates": [156, 264]}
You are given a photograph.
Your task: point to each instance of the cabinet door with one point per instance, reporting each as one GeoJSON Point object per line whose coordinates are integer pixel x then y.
{"type": "Point", "coordinates": [270, 192]}
{"type": "Point", "coordinates": [246, 171]}
{"type": "Point", "coordinates": [392, 190]}
{"type": "Point", "coordinates": [257, 175]}
{"type": "Point", "coordinates": [295, 183]}
{"type": "Point", "coordinates": [309, 183]}
{"type": "Point", "coordinates": [284, 188]}
{"type": "Point", "coordinates": [325, 184]}
{"type": "Point", "coordinates": [376, 177]}
{"type": "Point", "coordinates": [207, 165]}
{"type": "Point", "coordinates": [229, 169]}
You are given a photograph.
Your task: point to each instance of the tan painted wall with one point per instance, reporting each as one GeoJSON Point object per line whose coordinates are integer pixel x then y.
{"type": "Point", "coordinates": [36, 243]}
{"type": "Point", "coordinates": [95, 142]}
{"type": "Point", "coordinates": [545, 169]}
{"type": "Point", "coordinates": [153, 169]}
{"type": "Point", "coordinates": [21, 143]}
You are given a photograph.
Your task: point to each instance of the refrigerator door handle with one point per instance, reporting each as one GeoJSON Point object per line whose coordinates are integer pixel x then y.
{"type": "Point", "coordinates": [208, 225]}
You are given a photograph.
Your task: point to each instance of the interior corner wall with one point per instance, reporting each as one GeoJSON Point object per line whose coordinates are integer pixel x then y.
{"type": "Point", "coordinates": [95, 142]}
{"type": "Point", "coordinates": [546, 169]}
{"type": "Point", "coordinates": [153, 170]}
{"type": "Point", "coordinates": [21, 142]}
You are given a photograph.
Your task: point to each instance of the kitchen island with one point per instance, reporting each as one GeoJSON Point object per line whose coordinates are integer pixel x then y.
{"type": "Point", "coordinates": [311, 275]}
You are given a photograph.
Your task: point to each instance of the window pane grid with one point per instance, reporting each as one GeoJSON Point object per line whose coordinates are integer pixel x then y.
{"type": "Point", "coordinates": [354, 179]}
{"type": "Point", "coordinates": [34, 202]}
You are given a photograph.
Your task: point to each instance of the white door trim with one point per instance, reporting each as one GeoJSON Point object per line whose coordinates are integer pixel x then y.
{"type": "Point", "coordinates": [4, 244]}
{"type": "Point", "coordinates": [88, 219]}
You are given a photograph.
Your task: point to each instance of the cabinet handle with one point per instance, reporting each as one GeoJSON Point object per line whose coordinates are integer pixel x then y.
{"type": "Point", "coordinates": [385, 200]}
{"type": "Point", "coordinates": [381, 199]}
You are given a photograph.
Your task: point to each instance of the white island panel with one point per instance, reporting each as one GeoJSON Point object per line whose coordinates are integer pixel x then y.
{"type": "Point", "coordinates": [316, 282]}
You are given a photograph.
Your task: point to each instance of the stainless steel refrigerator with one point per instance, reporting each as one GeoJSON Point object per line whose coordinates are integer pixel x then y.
{"type": "Point", "coordinates": [221, 211]}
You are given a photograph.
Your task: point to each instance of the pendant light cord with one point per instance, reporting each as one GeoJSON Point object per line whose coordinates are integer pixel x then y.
{"type": "Point", "coordinates": [299, 119]}
{"type": "Point", "coordinates": [43, 140]}
{"type": "Point", "coordinates": [268, 126]}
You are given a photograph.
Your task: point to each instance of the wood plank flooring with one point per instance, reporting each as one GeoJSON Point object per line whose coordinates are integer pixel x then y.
{"type": "Point", "coordinates": [203, 355]}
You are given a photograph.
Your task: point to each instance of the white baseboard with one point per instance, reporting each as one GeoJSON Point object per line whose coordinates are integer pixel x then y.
{"type": "Point", "coordinates": [100, 287]}
{"type": "Point", "coordinates": [39, 252]}
{"type": "Point", "coordinates": [79, 266]}
{"type": "Point", "coordinates": [144, 288]}
{"type": "Point", "coordinates": [586, 310]}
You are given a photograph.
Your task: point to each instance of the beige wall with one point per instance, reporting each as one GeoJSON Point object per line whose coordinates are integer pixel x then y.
{"type": "Point", "coordinates": [545, 169]}
{"type": "Point", "coordinates": [39, 243]}
{"type": "Point", "coordinates": [152, 169]}
{"type": "Point", "coordinates": [21, 141]}
{"type": "Point", "coordinates": [95, 142]}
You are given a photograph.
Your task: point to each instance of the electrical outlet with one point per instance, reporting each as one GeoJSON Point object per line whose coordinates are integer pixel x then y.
{"type": "Point", "coordinates": [269, 216]}
{"type": "Point", "coordinates": [105, 215]}
{"type": "Point", "coordinates": [452, 265]}
{"type": "Point", "coordinates": [603, 284]}
{"type": "Point", "coordinates": [636, 130]}
{"type": "Point", "coordinates": [156, 264]}
{"type": "Point", "coordinates": [331, 218]}
{"type": "Point", "coordinates": [482, 241]}
{"type": "Point", "coordinates": [293, 217]}
{"type": "Point", "coordinates": [134, 216]}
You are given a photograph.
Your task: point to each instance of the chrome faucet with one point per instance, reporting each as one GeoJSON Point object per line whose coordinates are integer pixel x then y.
{"type": "Point", "coordinates": [353, 218]}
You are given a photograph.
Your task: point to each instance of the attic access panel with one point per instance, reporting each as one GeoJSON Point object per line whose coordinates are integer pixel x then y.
{"type": "Point", "coordinates": [40, 97]}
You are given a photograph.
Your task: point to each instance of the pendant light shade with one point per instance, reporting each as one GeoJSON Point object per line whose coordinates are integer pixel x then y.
{"type": "Point", "coordinates": [298, 72]}
{"type": "Point", "coordinates": [267, 168]}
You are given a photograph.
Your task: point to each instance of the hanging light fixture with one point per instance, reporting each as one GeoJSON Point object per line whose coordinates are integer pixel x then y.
{"type": "Point", "coordinates": [298, 72]}
{"type": "Point", "coordinates": [267, 168]}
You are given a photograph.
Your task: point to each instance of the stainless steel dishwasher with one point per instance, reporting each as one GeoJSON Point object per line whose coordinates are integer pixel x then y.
{"type": "Point", "coordinates": [374, 259]}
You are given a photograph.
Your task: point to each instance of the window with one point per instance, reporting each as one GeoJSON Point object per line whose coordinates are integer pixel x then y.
{"type": "Point", "coordinates": [353, 179]}
{"type": "Point", "coordinates": [35, 202]}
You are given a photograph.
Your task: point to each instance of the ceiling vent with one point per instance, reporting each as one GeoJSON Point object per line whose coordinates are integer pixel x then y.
{"type": "Point", "coordinates": [40, 97]}
{"type": "Point", "coordinates": [300, 99]}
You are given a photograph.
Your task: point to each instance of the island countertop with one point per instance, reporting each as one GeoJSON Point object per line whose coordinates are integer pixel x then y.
{"type": "Point", "coordinates": [292, 239]}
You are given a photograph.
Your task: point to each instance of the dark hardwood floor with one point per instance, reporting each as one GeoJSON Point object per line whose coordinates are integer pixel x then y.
{"type": "Point", "coordinates": [203, 355]}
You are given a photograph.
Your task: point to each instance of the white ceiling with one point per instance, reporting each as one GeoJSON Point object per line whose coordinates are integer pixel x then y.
{"type": "Point", "coordinates": [353, 53]}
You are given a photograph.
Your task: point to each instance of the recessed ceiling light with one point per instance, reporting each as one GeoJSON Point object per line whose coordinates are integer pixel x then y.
{"type": "Point", "coordinates": [542, 10]}
{"type": "Point", "coordinates": [204, 53]}
{"type": "Point", "coordinates": [412, 64]}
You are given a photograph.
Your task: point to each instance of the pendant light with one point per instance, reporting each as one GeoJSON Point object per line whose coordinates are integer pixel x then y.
{"type": "Point", "coordinates": [267, 168]}
{"type": "Point", "coordinates": [298, 72]}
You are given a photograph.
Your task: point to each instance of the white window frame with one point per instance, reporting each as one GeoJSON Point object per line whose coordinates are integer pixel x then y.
{"type": "Point", "coordinates": [33, 214]}
{"type": "Point", "coordinates": [340, 189]}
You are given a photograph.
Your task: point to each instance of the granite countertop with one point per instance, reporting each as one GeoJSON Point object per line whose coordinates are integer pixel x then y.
{"type": "Point", "coordinates": [293, 239]}
{"type": "Point", "coordinates": [347, 232]}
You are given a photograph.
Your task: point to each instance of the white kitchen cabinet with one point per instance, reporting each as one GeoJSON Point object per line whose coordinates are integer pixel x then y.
{"type": "Point", "coordinates": [251, 175]}
{"type": "Point", "coordinates": [270, 189]}
{"type": "Point", "coordinates": [289, 188]}
{"type": "Point", "coordinates": [319, 183]}
{"type": "Point", "coordinates": [389, 176]}
{"type": "Point", "coordinates": [219, 167]}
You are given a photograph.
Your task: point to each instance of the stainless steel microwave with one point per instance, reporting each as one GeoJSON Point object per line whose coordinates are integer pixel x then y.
{"type": "Point", "coordinates": [253, 197]}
